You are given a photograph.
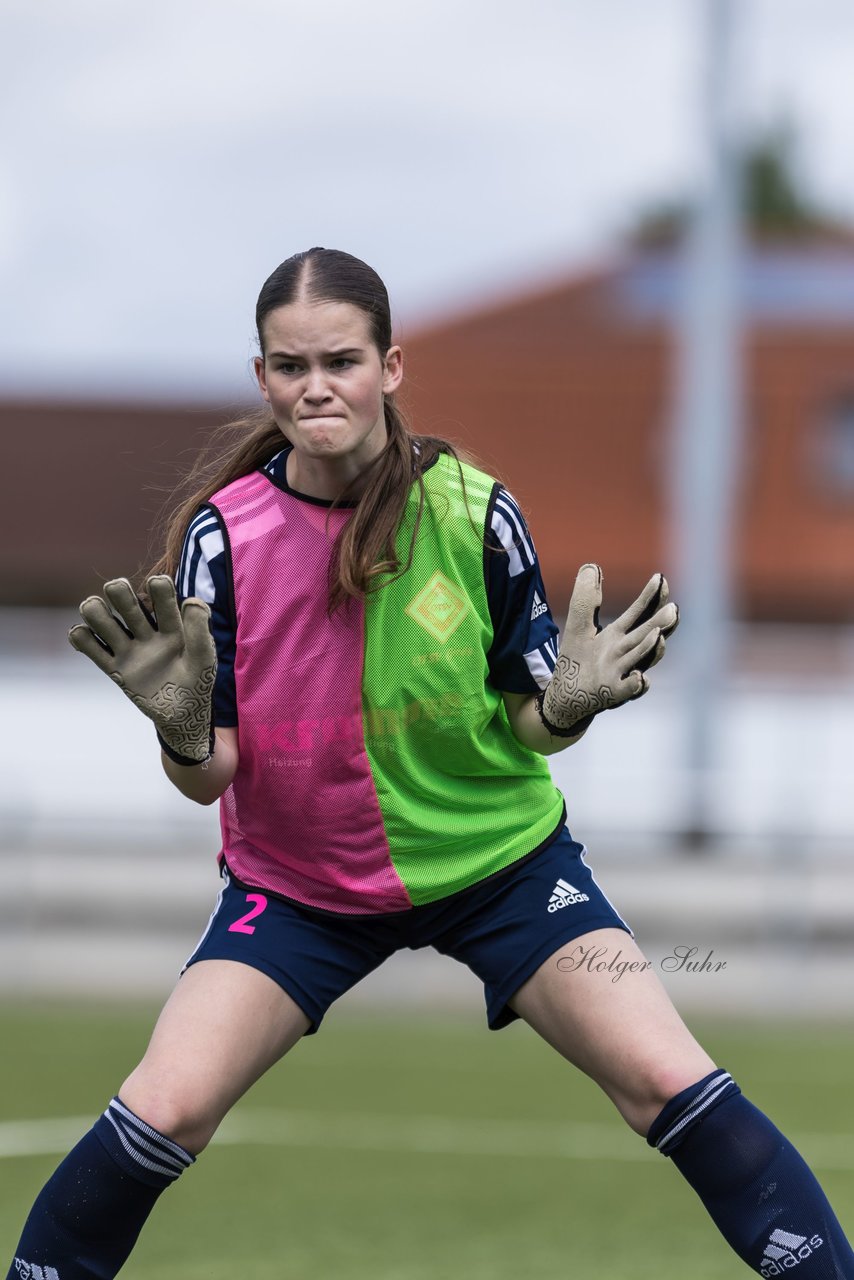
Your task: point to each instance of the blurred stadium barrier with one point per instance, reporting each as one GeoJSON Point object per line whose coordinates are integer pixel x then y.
{"type": "Point", "coordinates": [109, 873]}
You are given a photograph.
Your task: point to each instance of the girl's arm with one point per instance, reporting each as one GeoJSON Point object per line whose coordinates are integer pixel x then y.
{"type": "Point", "coordinates": [205, 783]}
{"type": "Point", "coordinates": [528, 727]}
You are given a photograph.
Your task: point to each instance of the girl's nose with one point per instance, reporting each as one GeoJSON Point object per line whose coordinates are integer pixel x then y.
{"type": "Point", "coordinates": [316, 385]}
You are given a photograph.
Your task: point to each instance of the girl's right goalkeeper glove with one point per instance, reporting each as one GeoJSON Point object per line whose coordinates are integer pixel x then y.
{"type": "Point", "coordinates": [165, 662]}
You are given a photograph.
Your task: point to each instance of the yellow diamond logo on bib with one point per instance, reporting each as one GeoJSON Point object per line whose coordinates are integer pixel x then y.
{"type": "Point", "coordinates": [439, 607]}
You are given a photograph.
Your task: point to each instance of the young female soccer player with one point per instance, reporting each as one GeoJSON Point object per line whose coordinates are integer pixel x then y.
{"type": "Point", "coordinates": [363, 621]}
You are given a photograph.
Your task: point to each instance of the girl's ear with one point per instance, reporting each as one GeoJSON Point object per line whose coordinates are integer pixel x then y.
{"type": "Point", "coordinates": [392, 370]}
{"type": "Point", "coordinates": [261, 375]}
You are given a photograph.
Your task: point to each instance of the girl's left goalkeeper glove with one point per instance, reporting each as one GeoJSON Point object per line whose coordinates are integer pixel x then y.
{"type": "Point", "coordinates": [165, 662]}
{"type": "Point", "coordinates": [601, 667]}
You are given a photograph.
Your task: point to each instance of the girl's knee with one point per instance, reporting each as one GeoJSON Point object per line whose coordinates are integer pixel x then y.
{"type": "Point", "coordinates": [175, 1113]}
{"type": "Point", "coordinates": [651, 1090]}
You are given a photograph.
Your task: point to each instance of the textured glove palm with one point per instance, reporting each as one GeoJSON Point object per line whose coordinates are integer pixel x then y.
{"type": "Point", "coordinates": [602, 667]}
{"type": "Point", "coordinates": [165, 662]}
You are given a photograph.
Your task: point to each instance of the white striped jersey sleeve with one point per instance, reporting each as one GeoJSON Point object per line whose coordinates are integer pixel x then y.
{"type": "Point", "coordinates": [525, 638]}
{"type": "Point", "coordinates": [202, 544]}
{"type": "Point", "coordinates": [203, 572]}
{"type": "Point", "coordinates": [508, 526]}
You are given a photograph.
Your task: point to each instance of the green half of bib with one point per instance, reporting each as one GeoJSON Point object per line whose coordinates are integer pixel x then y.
{"type": "Point", "coordinates": [460, 797]}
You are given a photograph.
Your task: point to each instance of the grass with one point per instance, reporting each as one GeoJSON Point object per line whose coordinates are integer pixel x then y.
{"type": "Point", "coordinates": [403, 1148]}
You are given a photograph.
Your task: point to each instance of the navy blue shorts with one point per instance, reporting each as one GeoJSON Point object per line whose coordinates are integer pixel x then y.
{"type": "Point", "coordinates": [503, 928]}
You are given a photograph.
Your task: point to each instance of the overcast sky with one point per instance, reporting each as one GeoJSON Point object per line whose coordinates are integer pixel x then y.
{"type": "Point", "coordinates": [157, 160]}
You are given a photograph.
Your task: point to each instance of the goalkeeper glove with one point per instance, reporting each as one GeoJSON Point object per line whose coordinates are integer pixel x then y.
{"type": "Point", "coordinates": [601, 667]}
{"type": "Point", "coordinates": [165, 662]}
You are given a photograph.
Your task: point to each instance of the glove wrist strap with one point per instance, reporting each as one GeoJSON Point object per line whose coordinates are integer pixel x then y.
{"type": "Point", "coordinates": [186, 760]}
{"type": "Point", "coordinates": [573, 731]}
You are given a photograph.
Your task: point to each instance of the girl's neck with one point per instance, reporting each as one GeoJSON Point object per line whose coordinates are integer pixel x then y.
{"type": "Point", "coordinates": [325, 478]}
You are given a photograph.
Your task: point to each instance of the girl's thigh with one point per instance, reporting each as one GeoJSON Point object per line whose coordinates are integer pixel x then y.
{"type": "Point", "coordinates": [223, 1026]}
{"type": "Point", "coordinates": [599, 1002]}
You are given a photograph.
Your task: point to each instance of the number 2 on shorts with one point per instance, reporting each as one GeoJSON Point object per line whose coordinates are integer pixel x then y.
{"type": "Point", "coordinates": [242, 925]}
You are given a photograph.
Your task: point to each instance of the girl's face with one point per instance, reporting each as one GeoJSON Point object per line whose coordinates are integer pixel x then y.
{"type": "Point", "coordinates": [324, 380]}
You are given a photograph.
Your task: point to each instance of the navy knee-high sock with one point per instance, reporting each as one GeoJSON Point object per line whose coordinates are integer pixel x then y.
{"type": "Point", "coordinates": [759, 1192]}
{"type": "Point", "coordinates": [88, 1216]}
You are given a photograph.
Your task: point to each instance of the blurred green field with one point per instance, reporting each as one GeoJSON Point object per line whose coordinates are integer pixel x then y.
{"type": "Point", "coordinates": [418, 1148]}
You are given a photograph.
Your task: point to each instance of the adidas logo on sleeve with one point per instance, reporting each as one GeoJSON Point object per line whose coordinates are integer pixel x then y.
{"type": "Point", "coordinates": [539, 607]}
{"type": "Point", "coordinates": [564, 895]}
{"type": "Point", "coordinates": [785, 1251]}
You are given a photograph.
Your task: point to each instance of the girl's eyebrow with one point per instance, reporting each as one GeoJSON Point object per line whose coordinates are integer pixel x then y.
{"type": "Point", "coordinates": [287, 355]}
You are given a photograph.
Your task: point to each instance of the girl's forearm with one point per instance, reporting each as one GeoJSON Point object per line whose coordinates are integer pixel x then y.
{"type": "Point", "coordinates": [529, 729]}
{"type": "Point", "coordinates": [205, 783]}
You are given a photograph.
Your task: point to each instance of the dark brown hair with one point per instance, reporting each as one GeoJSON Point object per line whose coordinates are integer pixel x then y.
{"type": "Point", "coordinates": [365, 549]}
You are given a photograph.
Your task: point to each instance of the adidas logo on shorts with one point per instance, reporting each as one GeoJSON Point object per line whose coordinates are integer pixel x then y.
{"type": "Point", "coordinates": [564, 895]}
{"type": "Point", "coordinates": [784, 1251]}
{"type": "Point", "coordinates": [31, 1271]}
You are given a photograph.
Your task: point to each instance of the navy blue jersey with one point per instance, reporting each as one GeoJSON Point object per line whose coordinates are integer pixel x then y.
{"type": "Point", "coordinates": [525, 638]}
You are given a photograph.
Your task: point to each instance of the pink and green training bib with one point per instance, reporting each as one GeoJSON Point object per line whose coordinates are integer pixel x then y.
{"type": "Point", "coordinates": [377, 767]}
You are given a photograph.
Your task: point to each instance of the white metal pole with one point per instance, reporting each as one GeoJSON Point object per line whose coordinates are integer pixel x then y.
{"type": "Point", "coordinates": [707, 426]}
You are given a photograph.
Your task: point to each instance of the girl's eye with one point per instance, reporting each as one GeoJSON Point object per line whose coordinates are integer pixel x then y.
{"type": "Point", "coordinates": [288, 367]}
{"type": "Point", "coordinates": [341, 362]}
